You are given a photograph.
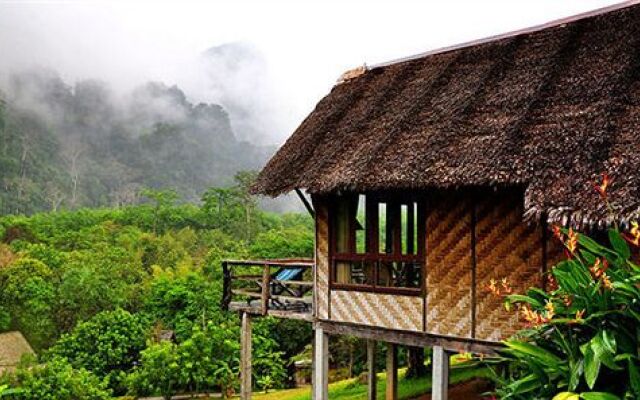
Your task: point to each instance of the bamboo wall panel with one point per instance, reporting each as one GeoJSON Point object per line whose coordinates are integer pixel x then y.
{"type": "Point", "coordinates": [449, 266]}
{"type": "Point", "coordinates": [374, 309]}
{"type": "Point", "coordinates": [506, 247]}
{"type": "Point", "coordinates": [321, 291]}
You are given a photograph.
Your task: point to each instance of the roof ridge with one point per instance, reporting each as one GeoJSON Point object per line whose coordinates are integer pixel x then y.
{"type": "Point", "coordinates": [531, 29]}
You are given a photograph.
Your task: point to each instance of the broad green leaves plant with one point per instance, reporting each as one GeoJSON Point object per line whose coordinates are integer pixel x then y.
{"type": "Point", "coordinates": [583, 335]}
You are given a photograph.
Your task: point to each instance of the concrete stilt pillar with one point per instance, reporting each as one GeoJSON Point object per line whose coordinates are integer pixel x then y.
{"type": "Point", "coordinates": [321, 365]}
{"type": "Point", "coordinates": [440, 381]}
{"type": "Point", "coordinates": [372, 377]}
{"type": "Point", "coordinates": [392, 372]}
{"type": "Point", "coordinates": [245, 358]}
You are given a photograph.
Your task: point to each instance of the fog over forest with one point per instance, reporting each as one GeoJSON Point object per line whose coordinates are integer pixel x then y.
{"type": "Point", "coordinates": [70, 144]}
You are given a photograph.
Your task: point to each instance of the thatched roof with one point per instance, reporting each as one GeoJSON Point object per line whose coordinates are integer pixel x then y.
{"type": "Point", "coordinates": [547, 109]}
{"type": "Point", "coordinates": [12, 347]}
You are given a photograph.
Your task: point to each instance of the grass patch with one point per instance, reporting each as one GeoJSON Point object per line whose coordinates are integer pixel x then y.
{"type": "Point", "coordinates": [351, 389]}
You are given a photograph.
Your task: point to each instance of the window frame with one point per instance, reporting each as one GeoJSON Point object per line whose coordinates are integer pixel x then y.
{"type": "Point", "coordinates": [372, 241]}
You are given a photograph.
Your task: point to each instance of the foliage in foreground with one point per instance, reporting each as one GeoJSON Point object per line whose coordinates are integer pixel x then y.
{"type": "Point", "coordinates": [93, 289]}
{"type": "Point", "coordinates": [57, 380]}
{"type": "Point", "coordinates": [583, 340]}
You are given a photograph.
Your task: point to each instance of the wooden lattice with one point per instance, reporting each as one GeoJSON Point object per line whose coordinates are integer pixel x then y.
{"type": "Point", "coordinates": [449, 266]}
{"type": "Point", "coordinates": [506, 247]}
{"type": "Point", "coordinates": [321, 292]}
{"type": "Point", "coordinates": [374, 309]}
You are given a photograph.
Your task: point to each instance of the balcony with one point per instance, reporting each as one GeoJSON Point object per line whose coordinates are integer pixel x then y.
{"type": "Point", "coordinates": [281, 288]}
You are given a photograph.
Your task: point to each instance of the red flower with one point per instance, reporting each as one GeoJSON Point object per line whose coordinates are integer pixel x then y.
{"type": "Point", "coordinates": [572, 241]}
{"type": "Point", "coordinates": [634, 237]}
{"type": "Point", "coordinates": [602, 187]}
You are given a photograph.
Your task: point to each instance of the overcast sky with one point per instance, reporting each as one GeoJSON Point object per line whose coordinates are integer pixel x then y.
{"type": "Point", "coordinates": [306, 44]}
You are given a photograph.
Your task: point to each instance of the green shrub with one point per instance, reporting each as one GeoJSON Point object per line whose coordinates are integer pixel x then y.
{"type": "Point", "coordinates": [584, 335]}
{"type": "Point", "coordinates": [27, 293]}
{"type": "Point", "coordinates": [58, 380]}
{"type": "Point", "coordinates": [207, 360]}
{"type": "Point", "coordinates": [108, 345]}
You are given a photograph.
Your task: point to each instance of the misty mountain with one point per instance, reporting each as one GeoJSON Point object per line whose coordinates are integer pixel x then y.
{"type": "Point", "coordinates": [83, 145]}
{"type": "Point", "coordinates": [237, 75]}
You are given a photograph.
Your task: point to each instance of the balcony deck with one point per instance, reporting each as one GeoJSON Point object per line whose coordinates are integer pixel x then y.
{"type": "Point", "coordinates": [280, 288]}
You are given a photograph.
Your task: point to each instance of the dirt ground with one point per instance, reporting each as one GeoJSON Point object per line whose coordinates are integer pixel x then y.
{"type": "Point", "coordinates": [471, 390]}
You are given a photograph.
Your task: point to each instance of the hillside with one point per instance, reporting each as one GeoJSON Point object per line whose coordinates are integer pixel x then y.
{"type": "Point", "coordinates": [64, 146]}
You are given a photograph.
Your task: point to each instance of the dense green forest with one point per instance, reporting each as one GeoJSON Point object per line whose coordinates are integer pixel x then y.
{"type": "Point", "coordinates": [68, 146]}
{"type": "Point", "coordinates": [92, 289]}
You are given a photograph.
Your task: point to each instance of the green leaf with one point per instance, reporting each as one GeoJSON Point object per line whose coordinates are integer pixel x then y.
{"type": "Point", "coordinates": [566, 396]}
{"type": "Point", "coordinates": [634, 377]}
{"type": "Point", "coordinates": [576, 369]}
{"type": "Point", "coordinates": [598, 396]}
{"type": "Point", "coordinates": [534, 351]}
{"type": "Point", "coordinates": [519, 298]}
{"type": "Point", "coordinates": [619, 244]}
{"type": "Point", "coordinates": [591, 365]}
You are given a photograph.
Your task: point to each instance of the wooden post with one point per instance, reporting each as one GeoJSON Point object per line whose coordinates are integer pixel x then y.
{"type": "Point", "coordinates": [266, 288]}
{"type": "Point", "coordinates": [245, 358]}
{"type": "Point", "coordinates": [440, 381]}
{"type": "Point", "coordinates": [226, 286]}
{"type": "Point", "coordinates": [372, 378]}
{"type": "Point", "coordinates": [313, 367]}
{"type": "Point", "coordinates": [321, 361]}
{"type": "Point", "coordinates": [392, 372]}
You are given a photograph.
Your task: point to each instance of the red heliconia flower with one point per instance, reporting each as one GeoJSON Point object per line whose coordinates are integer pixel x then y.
{"type": "Point", "coordinates": [634, 234]}
{"type": "Point", "coordinates": [572, 241]}
{"type": "Point", "coordinates": [604, 185]}
{"type": "Point", "coordinates": [558, 233]}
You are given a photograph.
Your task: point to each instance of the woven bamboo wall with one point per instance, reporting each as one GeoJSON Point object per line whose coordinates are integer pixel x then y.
{"type": "Point", "coordinates": [449, 265]}
{"type": "Point", "coordinates": [506, 247]}
{"type": "Point", "coordinates": [374, 309]}
{"type": "Point", "coordinates": [321, 292]}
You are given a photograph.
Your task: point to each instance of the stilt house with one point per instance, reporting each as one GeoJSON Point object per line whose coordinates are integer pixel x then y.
{"type": "Point", "coordinates": [433, 174]}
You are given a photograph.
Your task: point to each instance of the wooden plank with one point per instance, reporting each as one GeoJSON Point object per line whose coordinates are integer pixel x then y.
{"type": "Point", "coordinates": [245, 358]}
{"type": "Point", "coordinates": [372, 377]}
{"type": "Point", "coordinates": [306, 300]}
{"type": "Point", "coordinates": [240, 292]}
{"type": "Point", "coordinates": [294, 283]}
{"type": "Point", "coordinates": [306, 263]}
{"type": "Point", "coordinates": [392, 372]}
{"type": "Point", "coordinates": [440, 380]}
{"type": "Point", "coordinates": [321, 356]}
{"type": "Point", "coordinates": [266, 275]}
{"type": "Point", "coordinates": [247, 277]}
{"type": "Point", "coordinates": [416, 339]}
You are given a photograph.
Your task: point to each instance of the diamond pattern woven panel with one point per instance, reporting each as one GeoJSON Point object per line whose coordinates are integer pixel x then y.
{"type": "Point", "coordinates": [380, 310]}
{"type": "Point", "coordinates": [449, 265]}
{"type": "Point", "coordinates": [506, 247]}
{"type": "Point", "coordinates": [321, 291]}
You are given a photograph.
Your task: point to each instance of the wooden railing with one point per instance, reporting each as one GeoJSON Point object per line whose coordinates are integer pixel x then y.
{"type": "Point", "coordinates": [257, 279]}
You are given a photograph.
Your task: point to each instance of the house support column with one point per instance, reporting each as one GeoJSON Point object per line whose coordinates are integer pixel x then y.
{"type": "Point", "coordinates": [392, 372]}
{"type": "Point", "coordinates": [372, 377]}
{"type": "Point", "coordinates": [321, 365]}
{"type": "Point", "coordinates": [440, 381]}
{"type": "Point", "coordinates": [245, 358]}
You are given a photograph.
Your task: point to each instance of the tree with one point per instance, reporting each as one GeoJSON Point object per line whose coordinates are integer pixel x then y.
{"type": "Point", "coordinates": [108, 345]}
{"type": "Point", "coordinates": [163, 201]}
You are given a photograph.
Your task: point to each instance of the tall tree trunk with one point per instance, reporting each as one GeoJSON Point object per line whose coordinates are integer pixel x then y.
{"type": "Point", "coordinates": [416, 360]}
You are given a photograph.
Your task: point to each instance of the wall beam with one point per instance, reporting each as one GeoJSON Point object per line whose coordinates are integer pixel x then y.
{"type": "Point", "coordinates": [392, 372]}
{"type": "Point", "coordinates": [321, 365]}
{"type": "Point", "coordinates": [405, 338]}
{"type": "Point", "coordinates": [245, 358]}
{"type": "Point", "coordinates": [440, 381]}
{"type": "Point", "coordinates": [372, 377]}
